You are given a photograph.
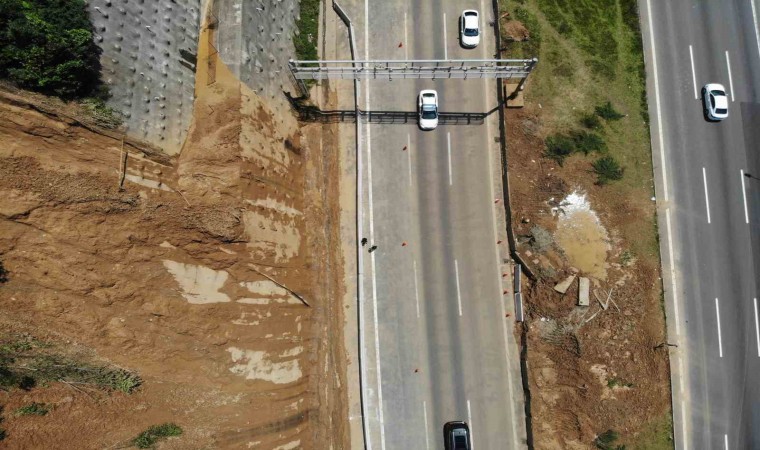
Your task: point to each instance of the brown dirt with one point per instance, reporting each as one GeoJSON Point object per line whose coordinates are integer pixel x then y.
{"type": "Point", "coordinates": [578, 370]}
{"type": "Point", "coordinates": [516, 31]}
{"type": "Point", "coordinates": [165, 275]}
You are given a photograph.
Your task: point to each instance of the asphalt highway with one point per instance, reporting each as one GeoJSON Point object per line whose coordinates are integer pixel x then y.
{"type": "Point", "coordinates": [438, 345]}
{"type": "Point", "coordinates": [709, 213]}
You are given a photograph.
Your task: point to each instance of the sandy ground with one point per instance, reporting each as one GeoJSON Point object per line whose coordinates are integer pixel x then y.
{"type": "Point", "coordinates": [590, 370]}
{"type": "Point", "coordinates": [215, 274]}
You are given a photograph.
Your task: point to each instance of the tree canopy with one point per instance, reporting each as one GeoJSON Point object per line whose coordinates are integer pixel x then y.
{"type": "Point", "coordinates": [47, 46]}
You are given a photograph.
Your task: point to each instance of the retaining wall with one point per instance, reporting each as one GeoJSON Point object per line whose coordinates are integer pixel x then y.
{"type": "Point", "coordinates": [254, 41]}
{"type": "Point", "coordinates": [148, 61]}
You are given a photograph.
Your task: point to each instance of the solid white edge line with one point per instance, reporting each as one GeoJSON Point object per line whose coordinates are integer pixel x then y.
{"type": "Point", "coordinates": [657, 105]}
{"type": "Point", "coordinates": [757, 329]}
{"type": "Point", "coordinates": [372, 239]}
{"type": "Point", "coordinates": [445, 43]}
{"type": "Point", "coordinates": [754, 21]}
{"type": "Point", "coordinates": [469, 422]}
{"type": "Point", "coordinates": [725, 440]}
{"type": "Point", "coordinates": [707, 196]}
{"type": "Point", "coordinates": [416, 290]}
{"type": "Point", "coordinates": [730, 79]}
{"type": "Point", "coordinates": [717, 317]}
{"type": "Point", "coordinates": [459, 294]}
{"type": "Point", "coordinates": [406, 39]}
{"type": "Point", "coordinates": [448, 144]}
{"type": "Point", "coordinates": [666, 198]}
{"type": "Point", "coordinates": [672, 271]}
{"type": "Point", "coordinates": [683, 423]}
{"type": "Point", "coordinates": [693, 73]}
{"type": "Point", "coordinates": [409, 156]}
{"type": "Point", "coordinates": [497, 265]}
{"type": "Point", "coordinates": [744, 194]}
{"type": "Point", "coordinates": [427, 435]}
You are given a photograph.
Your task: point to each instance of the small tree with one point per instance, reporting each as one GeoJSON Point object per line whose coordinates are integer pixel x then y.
{"type": "Point", "coordinates": [608, 112]}
{"type": "Point", "coordinates": [47, 46]}
{"type": "Point", "coordinates": [607, 169]}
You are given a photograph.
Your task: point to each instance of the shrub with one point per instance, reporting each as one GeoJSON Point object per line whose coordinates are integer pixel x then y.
{"type": "Point", "coordinates": [47, 46]}
{"type": "Point", "coordinates": [608, 112]}
{"type": "Point", "coordinates": [152, 435]}
{"type": "Point", "coordinates": [606, 440]}
{"type": "Point", "coordinates": [607, 169]}
{"type": "Point", "coordinates": [559, 147]}
{"type": "Point", "coordinates": [591, 121]}
{"type": "Point", "coordinates": [32, 409]}
{"type": "Point", "coordinates": [586, 142]}
{"type": "Point", "coordinates": [305, 40]}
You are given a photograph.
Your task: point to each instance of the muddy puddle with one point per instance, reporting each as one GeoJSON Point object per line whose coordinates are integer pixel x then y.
{"type": "Point", "coordinates": [581, 235]}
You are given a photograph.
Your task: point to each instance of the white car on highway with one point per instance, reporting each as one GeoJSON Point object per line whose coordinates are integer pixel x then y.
{"type": "Point", "coordinates": [469, 28]}
{"type": "Point", "coordinates": [715, 101]}
{"type": "Point", "coordinates": [427, 104]}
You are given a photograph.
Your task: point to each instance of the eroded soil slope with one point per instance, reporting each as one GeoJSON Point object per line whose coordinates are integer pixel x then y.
{"type": "Point", "coordinates": [212, 275]}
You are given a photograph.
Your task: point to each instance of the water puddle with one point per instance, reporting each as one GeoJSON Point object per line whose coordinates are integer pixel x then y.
{"type": "Point", "coordinates": [581, 235]}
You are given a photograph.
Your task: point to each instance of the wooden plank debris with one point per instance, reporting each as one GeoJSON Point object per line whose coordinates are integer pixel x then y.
{"type": "Point", "coordinates": [583, 291]}
{"type": "Point", "coordinates": [564, 285]}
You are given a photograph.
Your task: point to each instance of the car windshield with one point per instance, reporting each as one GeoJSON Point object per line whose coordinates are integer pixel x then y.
{"type": "Point", "coordinates": [460, 442]}
{"type": "Point", "coordinates": [719, 93]}
{"type": "Point", "coordinates": [470, 31]}
{"type": "Point", "coordinates": [721, 111]}
{"type": "Point", "coordinates": [429, 112]}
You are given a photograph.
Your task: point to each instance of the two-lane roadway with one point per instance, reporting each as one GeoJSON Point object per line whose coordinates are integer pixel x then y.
{"type": "Point", "coordinates": [438, 343]}
{"type": "Point", "coordinates": [709, 213]}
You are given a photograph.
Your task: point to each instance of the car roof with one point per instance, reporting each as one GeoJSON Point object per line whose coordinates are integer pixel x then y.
{"type": "Point", "coordinates": [721, 102]}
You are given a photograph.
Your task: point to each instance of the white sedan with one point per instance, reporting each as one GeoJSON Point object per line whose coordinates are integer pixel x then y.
{"type": "Point", "coordinates": [469, 28]}
{"type": "Point", "coordinates": [427, 104]}
{"type": "Point", "coordinates": [715, 101]}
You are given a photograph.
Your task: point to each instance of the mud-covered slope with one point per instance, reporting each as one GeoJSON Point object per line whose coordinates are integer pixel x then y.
{"type": "Point", "coordinates": [208, 274]}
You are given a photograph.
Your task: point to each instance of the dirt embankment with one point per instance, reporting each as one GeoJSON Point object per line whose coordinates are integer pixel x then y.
{"type": "Point", "coordinates": [590, 369]}
{"type": "Point", "coordinates": [196, 273]}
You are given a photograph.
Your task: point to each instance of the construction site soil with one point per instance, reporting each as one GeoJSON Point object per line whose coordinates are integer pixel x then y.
{"type": "Point", "coordinates": [215, 275]}
{"type": "Point", "coordinates": [590, 369]}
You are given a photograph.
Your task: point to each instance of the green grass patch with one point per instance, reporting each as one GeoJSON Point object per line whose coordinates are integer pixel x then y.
{"type": "Point", "coordinates": [530, 48]}
{"type": "Point", "coordinates": [103, 115]}
{"type": "Point", "coordinates": [151, 436]}
{"type": "Point", "coordinates": [617, 382]}
{"type": "Point", "coordinates": [305, 40]}
{"type": "Point", "coordinates": [588, 24]}
{"type": "Point", "coordinates": [32, 409]}
{"type": "Point", "coordinates": [26, 362]}
{"type": "Point", "coordinates": [656, 435]}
